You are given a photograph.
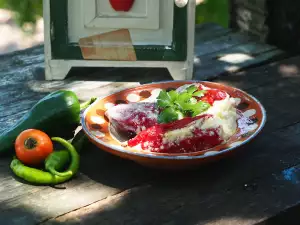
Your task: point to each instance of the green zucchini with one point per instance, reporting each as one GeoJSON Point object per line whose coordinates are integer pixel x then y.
{"type": "Point", "coordinates": [57, 114]}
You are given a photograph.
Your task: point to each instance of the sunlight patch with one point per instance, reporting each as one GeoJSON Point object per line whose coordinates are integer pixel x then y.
{"type": "Point", "coordinates": [235, 58]}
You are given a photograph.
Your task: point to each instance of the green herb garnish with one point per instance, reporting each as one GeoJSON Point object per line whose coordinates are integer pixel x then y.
{"type": "Point", "coordinates": [199, 93]}
{"type": "Point", "coordinates": [177, 105]}
{"type": "Point", "coordinates": [169, 115]}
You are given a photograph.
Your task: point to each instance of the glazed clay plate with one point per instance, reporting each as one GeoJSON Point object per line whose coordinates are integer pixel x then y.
{"type": "Point", "coordinates": [97, 127]}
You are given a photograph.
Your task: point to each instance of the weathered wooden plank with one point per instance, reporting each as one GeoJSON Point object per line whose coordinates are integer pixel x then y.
{"type": "Point", "coordinates": [106, 175]}
{"type": "Point", "coordinates": [38, 206]}
{"type": "Point", "coordinates": [20, 74]}
{"type": "Point", "coordinates": [251, 164]}
{"type": "Point", "coordinates": [263, 75]}
{"type": "Point", "coordinates": [291, 217]}
{"type": "Point", "coordinates": [276, 81]}
{"type": "Point", "coordinates": [237, 63]}
{"type": "Point", "coordinates": [19, 59]}
{"type": "Point", "coordinates": [87, 89]}
{"type": "Point", "coordinates": [235, 54]}
{"type": "Point", "coordinates": [277, 96]}
{"type": "Point", "coordinates": [208, 31]}
{"type": "Point", "coordinates": [246, 198]}
{"type": "Point", "coordinates": [245, 204]}
{"type": "Point", "coordinates": [275, 72]}
{"type": "Point", "coordinates": [10, 188]}
{"type": "Point", "coordinates": [27, 204]}
{"type": "Point", "coordinates": [219, 44]}
{"type": "Point", "coordinates": [27, 98]}
{"type": "Point", "coordinates": [103, 177]}
{"type": "Point", "coordinates": [4, 171]}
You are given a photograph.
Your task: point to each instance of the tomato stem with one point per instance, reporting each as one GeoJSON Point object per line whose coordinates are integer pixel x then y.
{"type": "Point", "coordinates": [30, 143]}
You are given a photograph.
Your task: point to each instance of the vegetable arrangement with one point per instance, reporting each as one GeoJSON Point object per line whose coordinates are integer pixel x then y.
{"type": "Point", "coordinates": [54, 161]}
{"type": "Point", "coordinates": [57, 114]}
{"type": "Point", "coordinates": [52, 119]}
{"type": "Point", "coordinates": [177, 105]}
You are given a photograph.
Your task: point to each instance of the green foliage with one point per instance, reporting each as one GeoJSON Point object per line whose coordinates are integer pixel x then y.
{"type": "Point", "coordinates": [26, 11]}
{"type": "Point", "coordinates": [216, 11]}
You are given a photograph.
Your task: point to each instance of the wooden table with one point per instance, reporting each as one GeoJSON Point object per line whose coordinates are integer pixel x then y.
{"type": "Point", "coordinates": [261, 184]}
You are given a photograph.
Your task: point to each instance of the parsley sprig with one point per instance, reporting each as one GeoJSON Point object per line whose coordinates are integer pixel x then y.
{"type": "Point", "coordinates": [177, 105]}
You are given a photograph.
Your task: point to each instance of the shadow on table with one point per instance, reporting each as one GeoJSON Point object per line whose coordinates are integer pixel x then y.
{"type": "Point", "coordinates": [126, 74]}
{"type": "Point", "coordinates": [142, 75]}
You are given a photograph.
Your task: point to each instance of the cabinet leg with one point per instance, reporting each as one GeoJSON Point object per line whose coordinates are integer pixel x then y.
{"type": "Point", "coordinates": [181, 72]}
{"type": "Point", "coordinates": [57, 71]}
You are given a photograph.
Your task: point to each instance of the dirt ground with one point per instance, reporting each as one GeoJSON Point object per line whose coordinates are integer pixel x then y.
{"type": "Point", "coordinates": [12, 38]}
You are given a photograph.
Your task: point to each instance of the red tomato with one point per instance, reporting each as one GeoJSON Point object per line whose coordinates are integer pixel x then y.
{"type": "Point", "coordinates": [33, 146]}
{"type": "Point", "coordinates": [217, 94]}
{"type": "Point", "coordinates": [213, 95]}
{"type": "Point", "coordinates": [208, 99]}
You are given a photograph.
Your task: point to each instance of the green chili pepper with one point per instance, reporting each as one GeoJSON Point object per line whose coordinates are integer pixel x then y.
{"type": "Point", "coordinates": [58, 159]}
{"type": "Point", "coordinates": [37, 176]}
{"type": "Point", "coordinates": [34, 175]}
{"type": "Point", "coordinates": [74, 165]}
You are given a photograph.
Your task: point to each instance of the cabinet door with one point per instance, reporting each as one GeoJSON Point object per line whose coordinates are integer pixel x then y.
{"type": "Point", "coordinates": [144, 14]}
{"type": "Point", "coordinates": [156, 29]}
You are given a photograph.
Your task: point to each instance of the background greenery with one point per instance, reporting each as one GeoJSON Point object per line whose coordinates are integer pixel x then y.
{"type": "Point", "coordinates": [28, 11]}
{"type": "Point", "coordinates": [216, 11]}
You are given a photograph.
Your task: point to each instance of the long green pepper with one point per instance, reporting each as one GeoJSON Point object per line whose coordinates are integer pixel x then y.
{"type": "Point", "coordinates": [58, 159]}
{"type": "Point", "coordinates": [37, 176]}
{"type": "Point", "coordinates": [56, 162]}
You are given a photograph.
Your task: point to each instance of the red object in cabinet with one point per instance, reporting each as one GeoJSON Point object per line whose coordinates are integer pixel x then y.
{"type": "Point", "coordinates": [121, 5]}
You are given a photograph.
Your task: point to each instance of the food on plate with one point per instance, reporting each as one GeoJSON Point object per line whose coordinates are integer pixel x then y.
{"type": "Point", "coordinates": [185, 135]}
{"type": "Point", "coordinates": [133, 118]}
{"type": "Point", "coordinates": [191, 118]}
{"type": "Point", "coordinates": [33, 146]}
{"type": "Point", "coordinates": [57, 114]}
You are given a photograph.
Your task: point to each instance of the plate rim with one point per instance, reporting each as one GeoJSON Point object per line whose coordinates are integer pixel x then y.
{"type": "Point", "coordinates": [175, 157]}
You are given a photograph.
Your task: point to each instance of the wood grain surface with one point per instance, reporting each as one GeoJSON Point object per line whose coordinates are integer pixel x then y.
{"type": "Point", "coordinates": [256, 184]}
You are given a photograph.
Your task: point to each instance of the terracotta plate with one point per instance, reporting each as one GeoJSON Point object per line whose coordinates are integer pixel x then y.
{"type": "Point", "coordinates": [98, 129]}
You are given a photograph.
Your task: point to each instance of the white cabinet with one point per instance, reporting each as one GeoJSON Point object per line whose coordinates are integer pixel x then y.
{"type": "Point", "coordinates": [99, 33]}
